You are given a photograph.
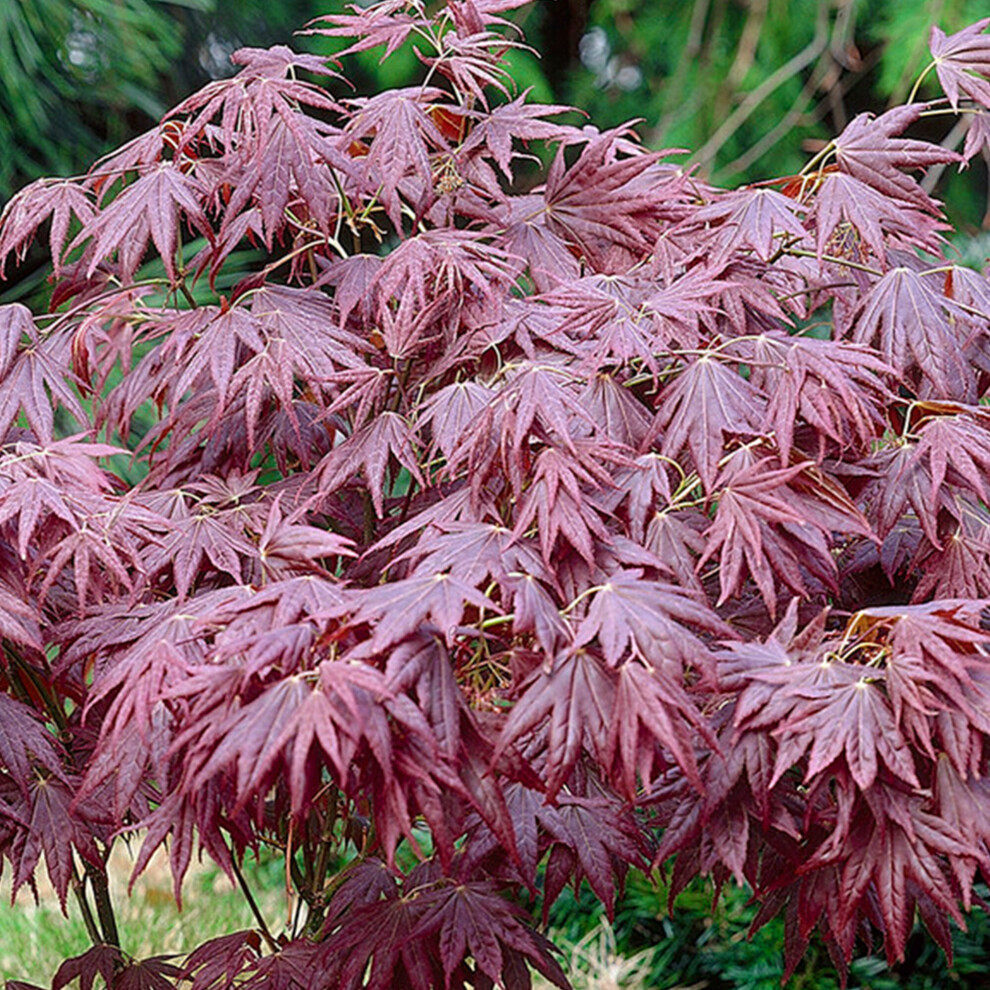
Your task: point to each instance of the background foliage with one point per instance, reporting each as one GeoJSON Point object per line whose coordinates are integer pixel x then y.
{"type": "Point", "coordinates": [744, 35]}
{"type": "Point", "coordinates": [749, 84]}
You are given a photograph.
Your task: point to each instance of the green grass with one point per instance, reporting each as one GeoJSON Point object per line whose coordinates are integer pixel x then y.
{"type": "Point", "coordinates": [36, 937]}
{"type": "Point", "coordinates": [646, 947]}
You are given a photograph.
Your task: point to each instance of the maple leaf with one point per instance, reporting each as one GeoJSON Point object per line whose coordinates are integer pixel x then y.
{"type": "Point", "coordinates": [37, 380]}
{"type": "Point", "coordinates": [150, 207]}
{"type": "Point", "coordinates": [56, 824]}
{"type": "Point", "coordinates": [180, 822]}
{"type": "Point", "coordinates": [283, 722]}
{"type": "Point", "coordinates": [705, 401]}
{"type": "Point", "coordinates": [647, 618]}
{"type": "Point", "coordinates": [846, 697]}
{"type": "Point", "coordinates": [913, 329]}
{"type": "Point", "coordinates": [105, 555]}
{"type": "Point", "coordinates": [392, 954]}
{"type": "Point", "coordinates": [751, 219]}
{"type": "Point", "coordinates": [89, 528]}
{"type": "Point", "coordinates": [278, 62]}
{"type": "Point", "coordinates": [602, 200]}
{"type": "Point", "coordinates": [525, 234]}
{"type": "Point", "coordinates": [494, 134]}
{"type": "Point", "coordinates": [288, 545]}
{"type": "Point", "coordinates": [615, 410]}
{"type": "Point", "coordinates": [937, 644]}
{"type": "Point", "coordinates": [956, 448]}
{"type": "Point", "coordinates": [840, 393]}
{"type": "Point", "coordinates": [219, 961]}
{"type": "Point", "coordinates": [158, 658]}
{"type": "Point", "coordinates": [450, 410]}
{"type": "Point", "coordinates": [440, 597]}
{"type": "Point", "coordinates": [59, 200]}
{"type": "Point", "coordinates": [285, 317]}
{"type": "Point", "coordinates": [538, 402]}
{"type": "Point", "coordinates": [25, 743]}
{"type": "Point", "coordinates": [296, 964]}
{"type": "Point", "coordinates": [386, 22]}
{"type": "Point", "coordinates": [427, 933]}
{"type": "Point", "coordinates": [473, 61]}
{"type": "Point", "coordinates": [206, 539]}
{"type": "Point", "coordinates": [898, 863]}
{"type": "Point", "coordinates": [422, 667]}
{"type": "Point", "coordinates": [626, 320]}
{"type": "Point", "coordinates": [763, 528]}
{"type": "Point", "coordinates": [948, 452]}
{"type": "Point", "coordinates": [869, 151]}
{"type": "Point", "coordinates": [652, 709]}
{"type": "Point", "coordinates": [250, 102]}
{"type": "Point", "coordinates": [535, 611]}
{"type": "Point", "coordinates": [962, 61]}
{"type": "Point", "coordinates": [861, 727]}
{"type": "Point", "coordinates": [475, 551]}
{"type": "Point", "coordinates": [567, 704]}
{"type": "Point", "coordinates": [594, 833]}
{"type": "Point", "coordinates": [472, 920]}
{"type": "Point", "coordinates": [117, 970]}
{"type": "Point", "coordinates": [17, 323]}
{"type": "Point", "coordinates": [290, 171]}
{"type": "Point", "coordinates": [100, 960]}
{"type": "Point", "coordinates": [848, 213]}
{"type": "Point", "coordinates": [555, 503]}
{"type": "Point", "coordinates": [676, 538]}
{"type": "Point", "coordinates": [961, 568]}
{"type": "Point", "coordinates": [712, 829]}
{"type": "Point", "coordinates": [18, 620]}
{"type": "Point", "coordinates": [370, 450]}
{"type": "Point", "coordinates": [401, 136]}
{"type": "Point", "coordinates": [643, 486]}
{"type": "Point", "coordinates": [958, 800]}
{"type": "Point", "coordinates": [430, 278]}
{"type": "Point", "coordinates": [977, 137]}
{"type": "Point", "coordinates": [121, 777]}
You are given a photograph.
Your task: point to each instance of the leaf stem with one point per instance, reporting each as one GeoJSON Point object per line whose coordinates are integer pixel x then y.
{"type": "Point", "coordinates": [498, 620]}
{"type": "Point", "coordinates": [252, 904]}
{"type": "Point", "coordinates": [917, 83]}
{"type": "Point", "coordinates": [186, 294]}
{"type": "Point", "coordinates": [817, 163]}
{"type": "Point", "coordinates": [327, 843]}
{"type": "Point", "coordinates": [370, 518]}
{"type": "Point", "coordinates": [801, 253]}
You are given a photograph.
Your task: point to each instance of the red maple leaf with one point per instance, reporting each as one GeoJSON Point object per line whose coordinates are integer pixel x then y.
{"type": "Point", "coordinates": [962, 61]}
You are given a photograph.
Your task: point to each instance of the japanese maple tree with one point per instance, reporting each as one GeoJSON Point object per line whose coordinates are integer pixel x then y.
{"type": "Point", "coordinates": [499, 529]}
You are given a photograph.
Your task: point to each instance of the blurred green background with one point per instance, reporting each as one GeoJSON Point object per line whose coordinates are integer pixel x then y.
{"type": "Point", "coordinates": [751, 86]}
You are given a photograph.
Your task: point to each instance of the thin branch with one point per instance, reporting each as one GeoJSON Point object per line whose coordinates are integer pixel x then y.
{"type": "Point", "coordinates": [104, 905]}
{"type": "Point", "coordinates": [674, 104]}
{"type": "Point", "coordinates": [79, 890]}
{"type": "Point", "coordinates": [772, 136]}
{"type": "Point", "coordinates": [744, 111]}
{"type": "Point", "coordinates": [951, 141]}
{"type": "Point", "coordinates": [830, 63]}
{"type": "Point", "coordinates": [748, 43]}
